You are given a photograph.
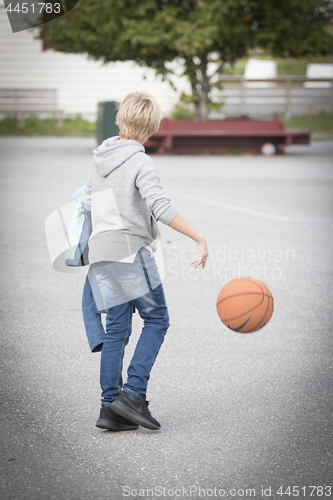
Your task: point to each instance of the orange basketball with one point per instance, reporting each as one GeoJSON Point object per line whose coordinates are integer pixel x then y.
{"type": "Point", "coordinates": [245, 305]}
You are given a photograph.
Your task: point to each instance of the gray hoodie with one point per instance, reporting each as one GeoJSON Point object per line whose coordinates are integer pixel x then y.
{"type": "Point", "coordinates": [125, 198]}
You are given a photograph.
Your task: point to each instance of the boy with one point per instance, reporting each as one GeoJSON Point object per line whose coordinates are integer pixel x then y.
{"type": "Point", "coordinates": [125, 198]}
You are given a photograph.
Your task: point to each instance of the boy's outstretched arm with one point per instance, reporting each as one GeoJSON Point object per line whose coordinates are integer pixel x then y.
{"type": "Point", "coordinates": [182, 226]}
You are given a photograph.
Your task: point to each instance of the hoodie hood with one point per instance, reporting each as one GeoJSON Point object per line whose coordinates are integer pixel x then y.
{"type": "Point", "coordinates": [112, 153]}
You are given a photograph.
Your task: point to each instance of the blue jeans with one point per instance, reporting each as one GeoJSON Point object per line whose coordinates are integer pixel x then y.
{"type": "Point", "coordinates": [139, 287]}
{"type": "Point", "coordinates": [92, 319]}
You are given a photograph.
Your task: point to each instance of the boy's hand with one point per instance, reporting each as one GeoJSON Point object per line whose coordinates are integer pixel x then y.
{"type": "Point", "coordinates": [202, 254]}
{"type": "Point", "coordinates": [180, 224]}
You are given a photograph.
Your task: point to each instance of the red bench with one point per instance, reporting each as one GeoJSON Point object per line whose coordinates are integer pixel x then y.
{"type": "Point", "coordinates": [222, 136]}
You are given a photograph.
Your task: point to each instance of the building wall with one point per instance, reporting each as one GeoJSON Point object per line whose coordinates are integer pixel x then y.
{"type": "Point", "coordinates": [81, 83]}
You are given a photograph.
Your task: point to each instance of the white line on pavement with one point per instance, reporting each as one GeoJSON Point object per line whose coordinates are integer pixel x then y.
{"type": "Point", "coordinates": [256, 213]}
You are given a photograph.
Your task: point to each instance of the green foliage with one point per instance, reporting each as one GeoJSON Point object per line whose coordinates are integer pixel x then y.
{"type": "Point", "coordinates": [203, 34]}
{"type": "Point", "coordinates": [39, 127]}
{"type": "Point", "coordinates": [295, 28]}
{"type": "Point", "coordinates": [182, 112]}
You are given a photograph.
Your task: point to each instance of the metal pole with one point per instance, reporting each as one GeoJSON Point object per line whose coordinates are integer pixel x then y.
{"type": "Point", "coordinates": [288, 98]}
{"type": "Point", "coordinates": [242, 97]}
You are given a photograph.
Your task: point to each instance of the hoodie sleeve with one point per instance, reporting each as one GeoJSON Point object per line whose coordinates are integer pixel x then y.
{"type": "Point", "coordinates": [149, 185]}
{"type": "Point", "coordinates": [86, 195]}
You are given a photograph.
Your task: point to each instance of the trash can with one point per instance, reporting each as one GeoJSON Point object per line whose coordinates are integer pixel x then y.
{"type": "Point", "coordinates": [106, 120]}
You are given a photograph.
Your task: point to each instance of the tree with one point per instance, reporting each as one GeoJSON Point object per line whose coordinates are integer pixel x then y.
{"type": "Point", "coordinates": [204, 35]}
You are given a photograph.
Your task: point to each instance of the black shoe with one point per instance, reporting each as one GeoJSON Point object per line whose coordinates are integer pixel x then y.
{"type": "Point", "coordinates": [108, 419]}
{"type": "Point", "coordinates": [135, 409]}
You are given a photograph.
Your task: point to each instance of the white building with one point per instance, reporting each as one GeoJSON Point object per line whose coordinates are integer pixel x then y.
{"type": "Point", "coordinates": [80, 83]}
{"type": "Point", "coordinates": [258, 69]}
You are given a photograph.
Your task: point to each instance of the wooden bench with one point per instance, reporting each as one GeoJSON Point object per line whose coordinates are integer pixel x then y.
{"type": "Point", "coordinates": [22, 102]}
{"type": "Point", "coordinates": [222, 136]}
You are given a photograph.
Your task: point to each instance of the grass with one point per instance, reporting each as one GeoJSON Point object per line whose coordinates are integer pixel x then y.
{"type": "Point", "coordinates": [318, 124]}
{"type": "Point", "coordinates": [34, 126]}
{"type": "Point", "coordinates": [285, 67]}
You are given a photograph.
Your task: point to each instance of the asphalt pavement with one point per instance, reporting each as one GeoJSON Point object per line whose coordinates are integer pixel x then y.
{"type": "Point", "coordinates": [242, 416]}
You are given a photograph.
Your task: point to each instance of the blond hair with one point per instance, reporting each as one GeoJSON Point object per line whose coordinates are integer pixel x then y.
{"type": "Point", "coordinates": [139, 116]}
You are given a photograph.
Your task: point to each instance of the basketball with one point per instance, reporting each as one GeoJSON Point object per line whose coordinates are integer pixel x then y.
{"type": "Point", "coordinates": [245, 305]}
{"type": "Point", "coordinates": [268, 149]}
